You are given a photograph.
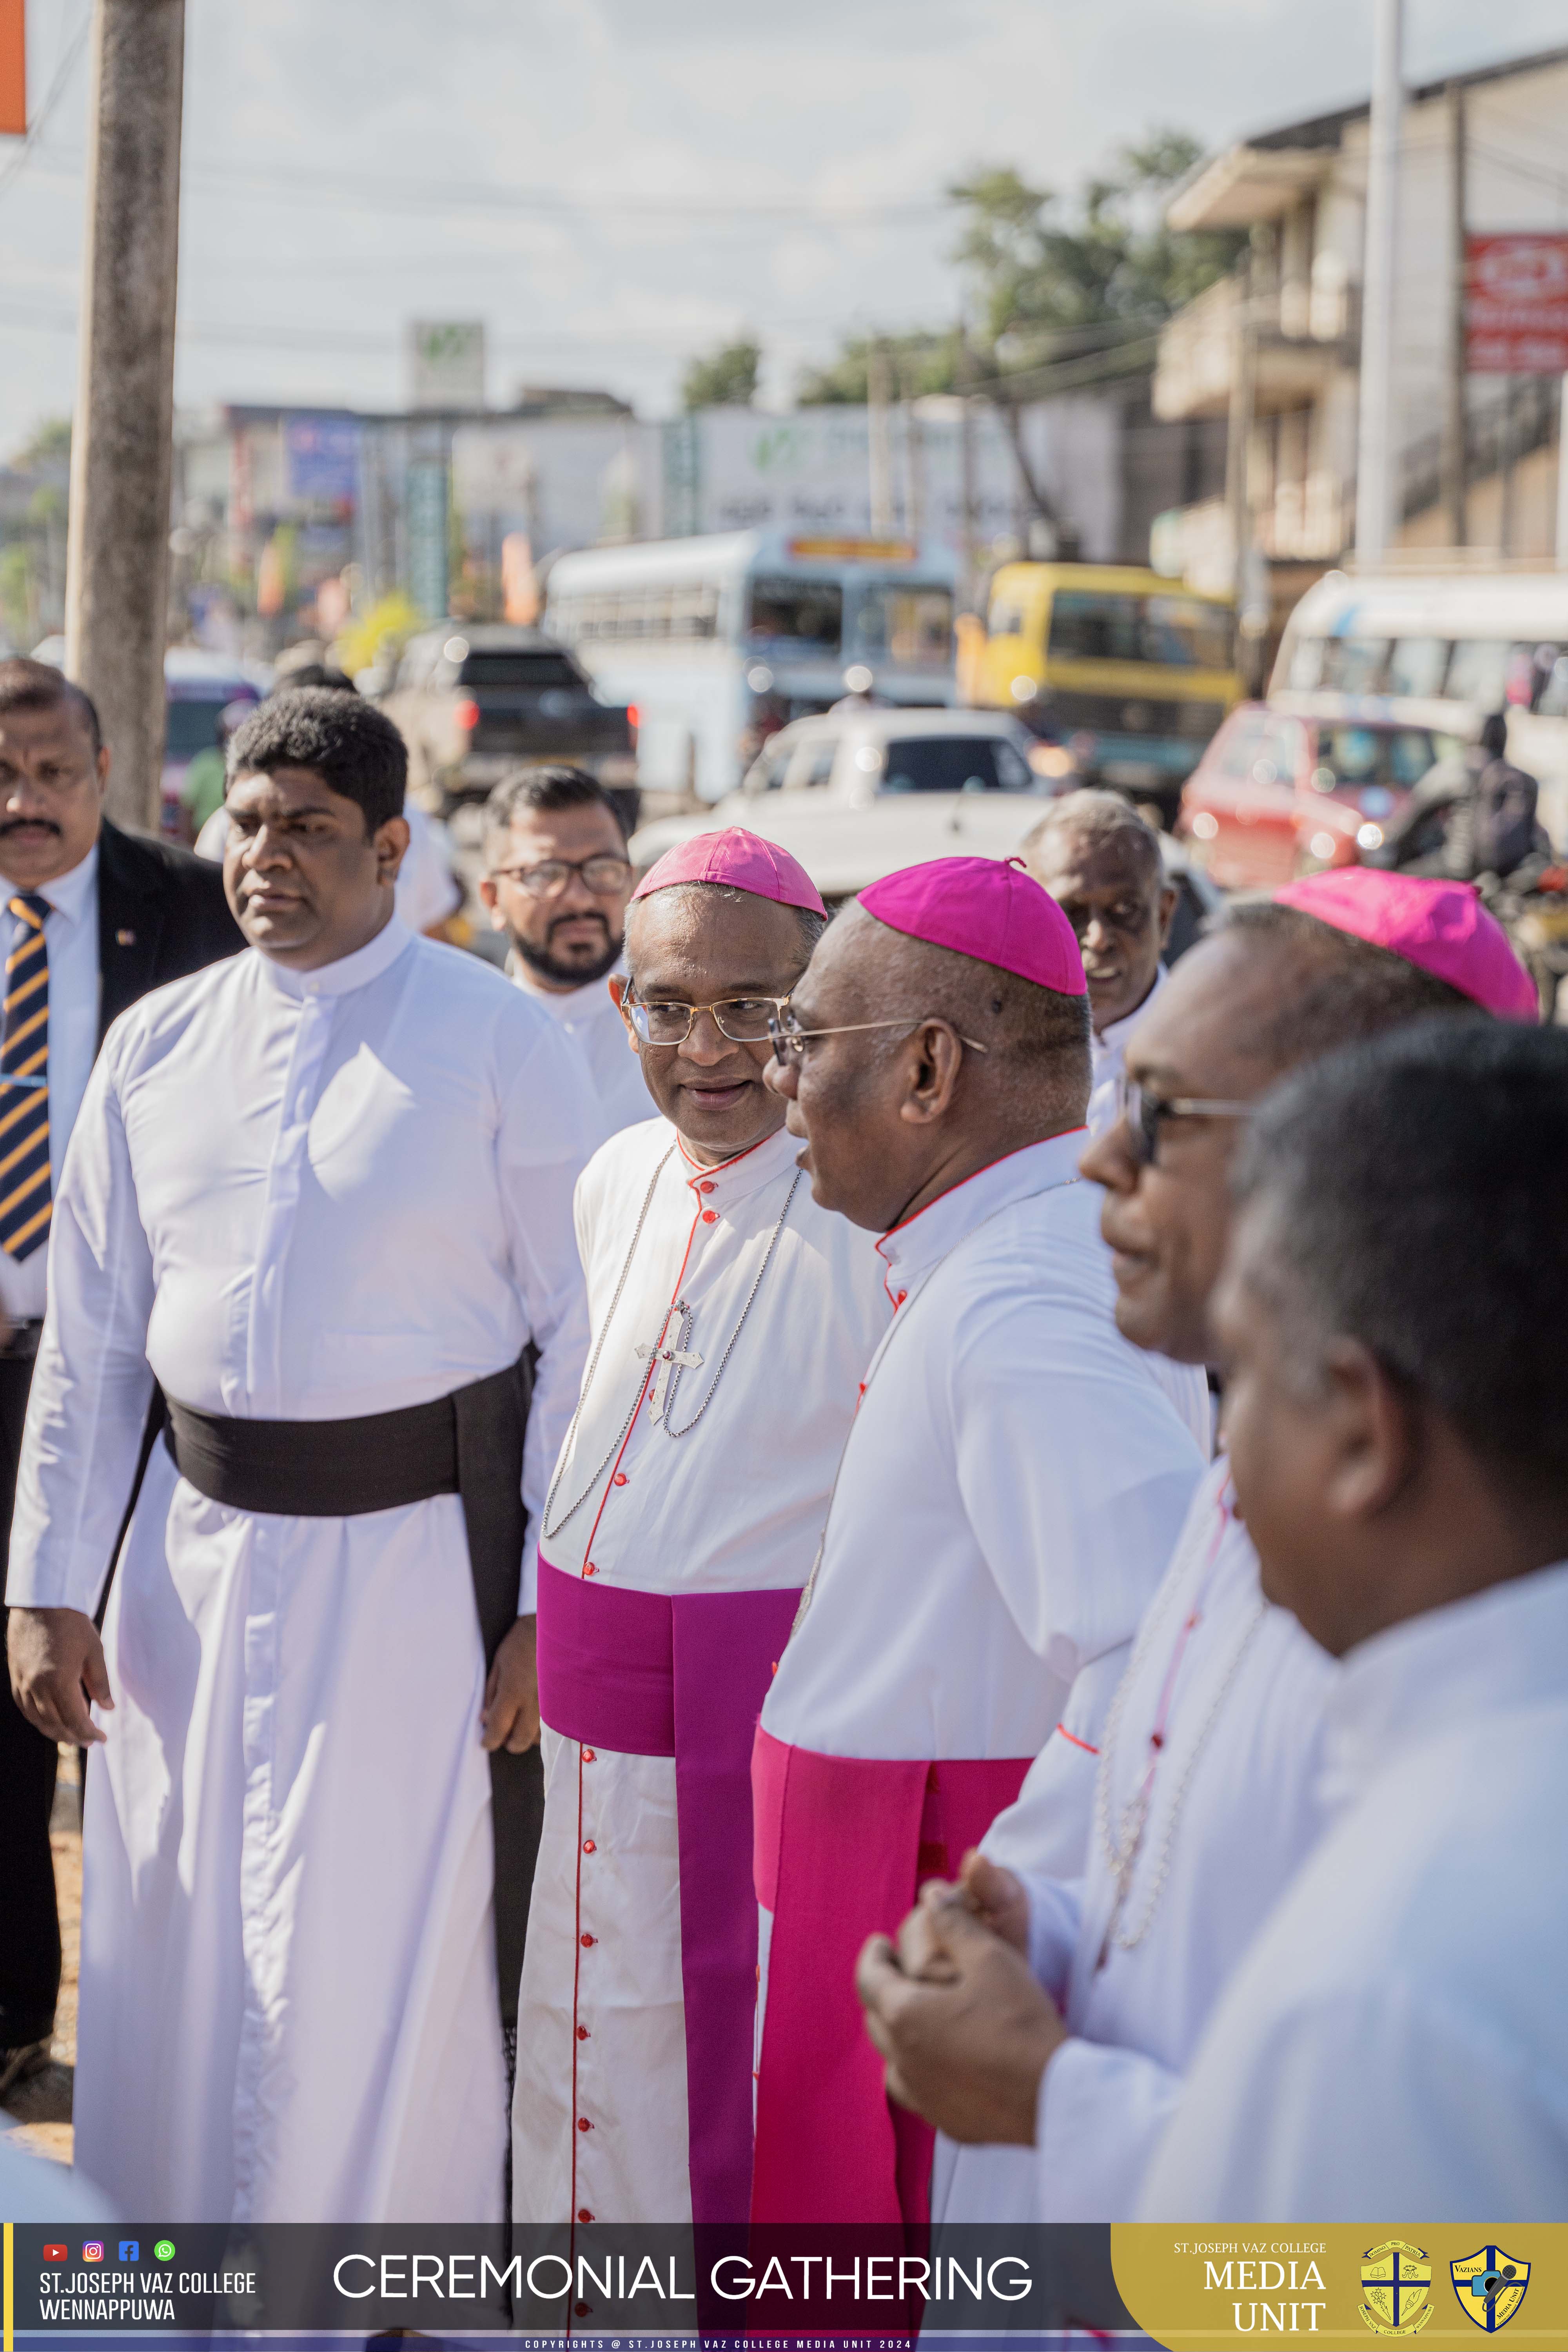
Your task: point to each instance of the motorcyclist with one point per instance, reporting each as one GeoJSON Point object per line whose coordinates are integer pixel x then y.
{"type": "Point", "coordinates": [1470, 814]}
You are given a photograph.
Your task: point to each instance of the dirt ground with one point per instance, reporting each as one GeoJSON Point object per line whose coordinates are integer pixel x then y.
{"type": "Point", "coordinates": [39, 2114]}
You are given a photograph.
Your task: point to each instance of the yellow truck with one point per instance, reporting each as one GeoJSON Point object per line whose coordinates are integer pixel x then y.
{"type": "Point", "coordinates": [1130, 670]}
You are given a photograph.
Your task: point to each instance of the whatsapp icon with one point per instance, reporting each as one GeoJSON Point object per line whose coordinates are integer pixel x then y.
{"type": "Point", "coordinates": [164, 2250]}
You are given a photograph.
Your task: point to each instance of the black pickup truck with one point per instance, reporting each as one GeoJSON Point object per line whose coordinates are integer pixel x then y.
{"type": "Point", "coordinates": [477, 698]}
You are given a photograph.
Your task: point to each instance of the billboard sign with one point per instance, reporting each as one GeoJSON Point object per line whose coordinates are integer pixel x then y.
{"type": "Point", "coordinates": [447, 363]}
{"type": "Point", "coordinates": [1516, 304]}
{"type": "Point", "coordinates": [321, 460]}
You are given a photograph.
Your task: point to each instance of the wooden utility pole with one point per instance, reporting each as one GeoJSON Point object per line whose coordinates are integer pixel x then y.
{"type": "Point", "coordinates": [1375, 495]}
{"type": "Point", "coordinates": [117, 564]}
{"type": "Point", "coordinates": [1455, 464]}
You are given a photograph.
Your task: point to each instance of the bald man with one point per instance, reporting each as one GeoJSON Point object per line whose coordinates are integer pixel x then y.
{"type": "Point", "coordinates": [1013, 1482]}
{"type": "Point", "coordinates": [1103, 866]}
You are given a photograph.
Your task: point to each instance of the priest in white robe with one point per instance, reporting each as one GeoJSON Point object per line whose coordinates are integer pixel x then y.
{"type": "Point", "coordinates": [1007, 1501]}
{"type": "Point", "coordinates": [1209, 1783]}
{"type": "Point", "coordinates": [322, 1195]}
{"type": "Point", "coordinates": [732, 1321]}
{"type": "Point", "coordinates": [1394, 2044]}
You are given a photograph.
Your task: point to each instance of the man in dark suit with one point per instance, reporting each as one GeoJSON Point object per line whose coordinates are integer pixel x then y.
{"type": "Point", "coordinates": [90, 918]}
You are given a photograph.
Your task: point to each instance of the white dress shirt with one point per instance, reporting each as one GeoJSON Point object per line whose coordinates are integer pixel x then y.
{"type": "Point", "coordinates": [296, 1196]}
{"type": "Point", "coordinates": [1395, 2045]}
{"type": "Point", "coordinates": [1108, 1058]}
{"type": "Point", "coordinates": [70, 939]}
{"type": "Point", "coordinates": [591, 1016]}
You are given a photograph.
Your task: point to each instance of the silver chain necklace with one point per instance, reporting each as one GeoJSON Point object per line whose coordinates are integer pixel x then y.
{"type": "Point", "coordinates": [1121, 1846]}
{"type": "Point", "coordinates": [668, 1361]}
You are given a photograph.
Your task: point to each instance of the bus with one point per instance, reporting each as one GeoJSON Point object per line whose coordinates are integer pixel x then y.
{"type": "Point", "coordinates": [718, 641]}
{"type": "Point", "coordinates": [1439, 649]}
{"type": "Point", "coordinates": [1129, 668]}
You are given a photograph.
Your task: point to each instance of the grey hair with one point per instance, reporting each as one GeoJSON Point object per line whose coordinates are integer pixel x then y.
{"type": "Point", "coordinates": [1100, 817]}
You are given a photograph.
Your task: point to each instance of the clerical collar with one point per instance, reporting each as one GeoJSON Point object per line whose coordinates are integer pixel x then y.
{"type": "Point", "coordinates": [349, 972]}
{"type": "Point", "coordinates": [1497, 1652]}
{"type": "Point", "coordinates": [734, 1180]}
{"type": "Point", "coordinates": [911, 1250]}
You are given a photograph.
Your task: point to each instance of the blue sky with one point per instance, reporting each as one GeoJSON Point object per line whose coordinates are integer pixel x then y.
{"type": "Point", "coordinates": [613, 184]}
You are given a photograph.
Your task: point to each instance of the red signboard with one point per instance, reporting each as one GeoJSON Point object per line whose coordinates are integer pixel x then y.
{"type": "Point", "coordinates": [12, 65]}
{"type": "Point", "coordinates": [1516, 304]}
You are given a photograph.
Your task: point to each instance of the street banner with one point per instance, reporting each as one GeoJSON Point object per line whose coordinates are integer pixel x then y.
{"type": "Point", "coordinates": [13, 65]}
{"type": "Point", "coordinates": [1516, 304]}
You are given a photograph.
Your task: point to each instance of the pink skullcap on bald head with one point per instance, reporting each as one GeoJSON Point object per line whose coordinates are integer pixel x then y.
{"type": "Point", "coordinates": [987, 908]}
{"type": "Point", "coordinates": [1441, 926]}
{"type": "Point", "coordinates": [743, 860]}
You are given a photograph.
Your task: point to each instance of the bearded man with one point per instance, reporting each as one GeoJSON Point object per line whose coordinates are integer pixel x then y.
{"type": "Point", "coordinates": [732, 1320]}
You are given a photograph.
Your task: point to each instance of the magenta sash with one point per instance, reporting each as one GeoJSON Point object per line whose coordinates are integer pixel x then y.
{"type": "Point", "coordinates": [842, 1844]}
{"type": "Point", "coordinates": [685, 1674]}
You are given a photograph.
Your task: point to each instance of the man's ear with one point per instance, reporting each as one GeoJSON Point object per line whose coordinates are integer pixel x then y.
{"type": "Point", "coordinates": [487, 890]}
{"type": "Point", "coordinates": [933, 1058]}
{"type": "Point", "coordinates": [391, 849]}
{"type": "Point", "coordinates": [1168, 897]}
{"type": "Point", "coordinates": [102, 763]}
{"type": "Point", "coordinates": [1375, 1434]}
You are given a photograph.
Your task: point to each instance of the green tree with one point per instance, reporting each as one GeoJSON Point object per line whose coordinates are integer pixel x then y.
{"type": "Point", "coordinates": [726, 378]}
{"type": "Point", "coordinates": [925, 361]}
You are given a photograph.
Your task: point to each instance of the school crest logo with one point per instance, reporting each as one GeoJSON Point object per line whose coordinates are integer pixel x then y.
{"type": "Point", "coordinates": [1491, 2286]}
{"type": "Point", "coordinates": [1396, 2288]}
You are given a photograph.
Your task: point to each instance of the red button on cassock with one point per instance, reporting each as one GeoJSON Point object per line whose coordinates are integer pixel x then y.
{"type": "Point", "coordinates": [583, 2214]}
{"type": "Point", "coordinates": [590, 1569]}
{"type": "Point", "coordinates": [619, 1479]}
{"type": "Point", "coordinates": [709, 1216]}
{"type": "Point", "coordinates": [585, 1941]}
{"type": "Point", "coordinates": [705, 1185]}
{"type": "Point", "coordinates": [589, 1847]}
{"type": "Point", "coordinates": [584, 2125]}
{"type": "Point", "coordinates": [583, 2031]}
{"type": "Point", "coordinates": [590, 1755]}
{"type": "Point", "coordinates": [581, 2309]}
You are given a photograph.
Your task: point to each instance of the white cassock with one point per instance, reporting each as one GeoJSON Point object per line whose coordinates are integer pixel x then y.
{"type": "Point", "coordinates": [1207, 1800]}
{"type": "Point", "coordinates": [1008, 1501]}
{"type": "Point", "coordinates": [591, 1017]}
{"type": "Point", "coordinates": [1107, 1061]}
{"type": "Point", "coordinates": [1395, 2042]}
{"type": "Point", "coordinates": [296, 1196]}
{"type": "Point", "coordinates": [674, 1550]}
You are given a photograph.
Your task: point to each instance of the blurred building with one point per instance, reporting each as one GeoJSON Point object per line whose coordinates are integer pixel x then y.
{"type": "Point", "coordinates": [1270, 354]}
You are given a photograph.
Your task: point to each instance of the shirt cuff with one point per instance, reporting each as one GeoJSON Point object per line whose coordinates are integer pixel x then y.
{"type": "Point", "coordinates": [1100, 2115]}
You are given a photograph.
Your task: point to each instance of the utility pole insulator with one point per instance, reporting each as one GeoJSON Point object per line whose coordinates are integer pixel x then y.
{"type": "Point", "coordinates": [116, 568]}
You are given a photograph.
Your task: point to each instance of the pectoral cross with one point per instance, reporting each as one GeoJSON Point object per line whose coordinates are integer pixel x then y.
{"type": "Point", "coordinates": [668, 1361]}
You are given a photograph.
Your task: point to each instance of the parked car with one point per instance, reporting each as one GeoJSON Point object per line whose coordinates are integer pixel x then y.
{"type": "Point", "coordinates": [473, 699]}
{"type": "Point", "coordinates": [1277, 794]}
{"type": "Point", "coordinates": [858, 793]}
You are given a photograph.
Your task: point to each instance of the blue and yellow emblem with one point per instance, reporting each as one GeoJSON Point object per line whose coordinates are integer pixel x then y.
{"type": "Point", "coordinates": [1491, 2286]}
{"type": "Point", "coordinates": [1396, 2288]}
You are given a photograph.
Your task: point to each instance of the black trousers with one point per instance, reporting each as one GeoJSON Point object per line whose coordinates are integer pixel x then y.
{"type": "Point", "coordinates": [29, 1920]}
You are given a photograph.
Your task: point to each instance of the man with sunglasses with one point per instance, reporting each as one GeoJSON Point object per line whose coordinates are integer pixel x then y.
{"type": "Point", "coordinates": [733, 1319]}
{"type": "Point", "coordinates": [556, 882]}
{"type": "Point", "coordinates": [1008, 1496]}
{"type": "Point", "coordinates": [1057, 2049]}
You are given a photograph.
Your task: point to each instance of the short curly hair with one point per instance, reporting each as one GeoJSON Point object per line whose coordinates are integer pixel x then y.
{"type": "Point", "coordinates": [353, 747]}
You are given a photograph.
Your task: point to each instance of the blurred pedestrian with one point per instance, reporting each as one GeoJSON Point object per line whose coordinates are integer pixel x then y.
{"type": "Point", "coordinates": [202, 789]}
{"type": "Point", "coordinates": [556, 884]}
{"type": "Point", "coordinates": [1208, 1785]}
{"type": "Point", "coordinates": [1392, 1317]}
{"type": "Point", "coordinates": [92, 918]}
{"type": "Point", "coordinates": [322, 1195]}
{"type": "Point", "coordinates": [1101, 864]}
{"type": "Point", "coordinates": [733, 1319]}
{"type": "Point", "coordinates": [1007, 1500]}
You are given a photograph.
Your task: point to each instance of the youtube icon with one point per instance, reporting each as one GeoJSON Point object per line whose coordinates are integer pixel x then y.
{"type": "Point", "coordinates": [56, 2254]}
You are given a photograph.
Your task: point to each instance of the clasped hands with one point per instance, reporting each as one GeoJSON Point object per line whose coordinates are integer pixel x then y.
{"type": "Point", "coordinates": [953, 2007]}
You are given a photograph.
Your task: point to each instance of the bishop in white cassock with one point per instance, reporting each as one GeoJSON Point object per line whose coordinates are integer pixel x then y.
{"type": "Point", "coordinates": [1008, 1499]}
{"type": "Point", "coordinates": [732, 1320]}
{"type": "Point", "coordinates": [310, 1192]}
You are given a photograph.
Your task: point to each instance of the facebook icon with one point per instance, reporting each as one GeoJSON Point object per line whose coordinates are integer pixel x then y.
{"type": "Point", "coordinates": [130, 2250]}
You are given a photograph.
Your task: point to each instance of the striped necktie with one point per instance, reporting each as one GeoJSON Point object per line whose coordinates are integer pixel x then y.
{"type": "Point", "coordinates": [26, 1205]}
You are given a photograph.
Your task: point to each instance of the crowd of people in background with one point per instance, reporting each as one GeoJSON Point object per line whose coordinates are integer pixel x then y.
{"type": "Point", "coordinates": [640, 1545]}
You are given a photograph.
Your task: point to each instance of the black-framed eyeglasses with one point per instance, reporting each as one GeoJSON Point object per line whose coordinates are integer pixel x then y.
{"type": "Point", "coordinates": [604, 873]}
{"type": "Point", "coordinates": [743, 1020]}
{"type": "Point", "coordinates": [789, 1038]}
{"type": "Point", "coordinates": [1145, 1112]}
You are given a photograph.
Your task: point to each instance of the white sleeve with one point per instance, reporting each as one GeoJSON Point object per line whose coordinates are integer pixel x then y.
{"type": "Point", "coordinates": [550, 1125]}
{"type": "Point", "coordinates": [1075, 1473]}
{"type": "Point", "coordinates": [92, 1385]}
{"type": "Point", "coordinates": [1101, 2111]}
{"type": "Point", "coordinates": [1362, 2100]}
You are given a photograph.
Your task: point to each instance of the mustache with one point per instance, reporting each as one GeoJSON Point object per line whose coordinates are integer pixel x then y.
{"type": "Point", "coordinates": [27, 825]}
{"type": "Point", "coordinates": [589, 914]}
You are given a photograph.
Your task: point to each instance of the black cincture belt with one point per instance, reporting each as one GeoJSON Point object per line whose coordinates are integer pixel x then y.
{"type": "Point", "coordinates": [323, 1469]}
{"type": "Point", "coordinates": [468, 1443]}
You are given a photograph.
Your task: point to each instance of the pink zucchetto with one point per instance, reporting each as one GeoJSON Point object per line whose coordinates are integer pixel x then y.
{"type": "Point", "coordinates": [1441, 926]}
{"type": "Point", "coordinates": [987, 908]}
{"type": "Point", "coordinates": [743, 860]}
